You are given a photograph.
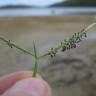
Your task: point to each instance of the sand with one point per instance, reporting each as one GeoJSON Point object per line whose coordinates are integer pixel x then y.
{"type": "Point", "coordinates": [72, 73]}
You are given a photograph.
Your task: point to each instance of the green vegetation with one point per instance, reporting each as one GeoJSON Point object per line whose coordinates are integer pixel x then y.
{"type": "Point", "coordinates": [75, 3]}
{"type": "Point", "coordinates": [15, 6]}
{"type": "Point", "coordinates": [52, 51]}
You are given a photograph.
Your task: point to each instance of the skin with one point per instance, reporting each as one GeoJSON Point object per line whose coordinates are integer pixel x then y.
{"type": "Point", "coordinates": [23, 84]}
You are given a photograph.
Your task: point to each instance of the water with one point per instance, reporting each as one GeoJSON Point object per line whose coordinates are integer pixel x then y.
{"type": "Point", "coordinates": [47, 11]}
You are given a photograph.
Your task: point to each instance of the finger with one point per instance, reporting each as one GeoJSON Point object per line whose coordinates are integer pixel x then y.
{"type": "Point", "coordinates": [29, 87]}
{"type": "Point", "coordinates": [8, 80]}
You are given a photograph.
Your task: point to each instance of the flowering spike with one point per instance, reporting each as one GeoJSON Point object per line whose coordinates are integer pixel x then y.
{"type": "Point", "coordinates": [65, 45]}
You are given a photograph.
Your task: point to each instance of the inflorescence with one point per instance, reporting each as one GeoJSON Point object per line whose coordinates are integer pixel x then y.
{"type": "Point", "coordinates": [71, 42]}
{"type": "Point", "coordinates": [66, 44]}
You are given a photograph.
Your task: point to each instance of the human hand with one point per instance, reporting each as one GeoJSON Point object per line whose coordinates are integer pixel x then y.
{"type": "Point", "coordinates": [23, 84]}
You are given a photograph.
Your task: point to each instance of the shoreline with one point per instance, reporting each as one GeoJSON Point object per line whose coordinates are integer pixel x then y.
{"type": "Point", "coordinates": [53, 11]}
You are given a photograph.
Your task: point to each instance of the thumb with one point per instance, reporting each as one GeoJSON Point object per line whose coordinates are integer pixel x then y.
{"type": "Point", "coordinates": [29, 87]}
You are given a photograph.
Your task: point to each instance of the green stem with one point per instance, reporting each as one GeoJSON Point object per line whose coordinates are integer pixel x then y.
{"type": "Point", "coordinates": [35, 71]}
{"type": "Point", "coordinates": [10, 44]}
{"type": "Point", "coordinates": [36, 61]}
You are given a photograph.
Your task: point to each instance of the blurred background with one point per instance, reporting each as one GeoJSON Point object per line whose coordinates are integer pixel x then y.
{"type": "Point", "coordinates": [48, 22]}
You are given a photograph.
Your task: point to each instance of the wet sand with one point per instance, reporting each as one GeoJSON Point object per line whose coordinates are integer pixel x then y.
{"type": "Point", "coordinates": [71, 73]}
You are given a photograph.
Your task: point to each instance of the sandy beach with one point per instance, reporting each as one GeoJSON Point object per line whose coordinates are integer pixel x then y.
{"type": "Point", "coordinates": [72, 73]}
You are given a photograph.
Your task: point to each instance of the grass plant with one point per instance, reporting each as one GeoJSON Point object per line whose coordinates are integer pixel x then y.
{"type": "Point", "coordinates": [65, 45]}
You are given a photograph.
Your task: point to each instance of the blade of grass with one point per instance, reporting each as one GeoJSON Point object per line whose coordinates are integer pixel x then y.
{"type": "Point", "coordinates": [35, 71]}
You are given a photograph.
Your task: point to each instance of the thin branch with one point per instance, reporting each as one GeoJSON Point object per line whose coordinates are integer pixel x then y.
{"type": "Point", "coordinates": [11, 44]}
{"type": "Point", "coordinates": [71, 40]}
